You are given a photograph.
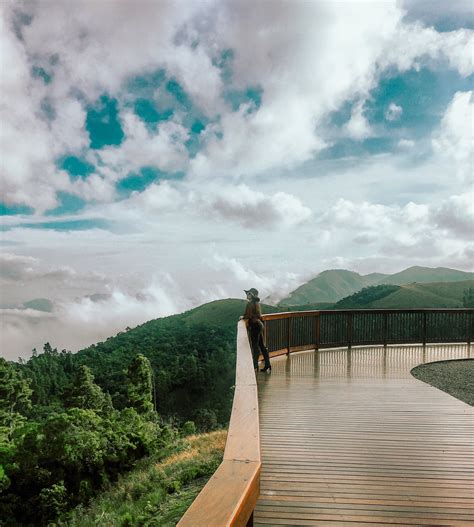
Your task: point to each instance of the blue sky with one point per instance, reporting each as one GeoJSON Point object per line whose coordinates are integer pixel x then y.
{"type": "Point", "coordinates": [176, 154]}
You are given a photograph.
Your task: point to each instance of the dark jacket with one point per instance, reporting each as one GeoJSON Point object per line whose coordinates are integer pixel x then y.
{"type": "Point", "coordinates": [253, 313]}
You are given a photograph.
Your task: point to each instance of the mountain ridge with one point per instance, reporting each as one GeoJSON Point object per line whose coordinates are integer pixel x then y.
{"type": "Point", "coordinates": [335, 284]}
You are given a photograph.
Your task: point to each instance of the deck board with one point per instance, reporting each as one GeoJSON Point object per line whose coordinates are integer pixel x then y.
{"type": "Point", "coordinates": [351, 438]}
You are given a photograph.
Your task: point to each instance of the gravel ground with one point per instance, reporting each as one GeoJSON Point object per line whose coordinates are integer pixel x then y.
{"type": "Point", "coordinates": [455, 377]}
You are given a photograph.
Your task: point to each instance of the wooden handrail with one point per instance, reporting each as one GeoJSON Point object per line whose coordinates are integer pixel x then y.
{"type": "Point", "coordinates": [230, 496]}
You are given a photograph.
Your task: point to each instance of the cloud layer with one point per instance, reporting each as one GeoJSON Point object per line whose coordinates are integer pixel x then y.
{"type": "Point", "coordinates": [163, 154]}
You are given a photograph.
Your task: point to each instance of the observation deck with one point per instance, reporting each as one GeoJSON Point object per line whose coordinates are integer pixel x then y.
{"type": "Point", "coordinates": [341, 433]}
{"type": "Point", "coordinates": [350, 437]}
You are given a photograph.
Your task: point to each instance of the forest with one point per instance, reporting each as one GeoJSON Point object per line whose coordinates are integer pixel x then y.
{"type": "Point", "coordinates": [72, 423]}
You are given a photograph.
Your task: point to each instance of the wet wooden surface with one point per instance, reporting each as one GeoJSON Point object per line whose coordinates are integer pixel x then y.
{"type": "Point", "coordinates": [351, 438]}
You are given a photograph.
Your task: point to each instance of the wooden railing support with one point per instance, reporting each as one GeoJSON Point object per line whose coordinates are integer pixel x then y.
{"type": "Point", "coordinates": [317, 331]}
{"type": "Point", "coordinates": [349, 330]}
{"type": "Point", "coordinates": [424, 327]}
{"type": "Point", "coordinates": [288, 335]}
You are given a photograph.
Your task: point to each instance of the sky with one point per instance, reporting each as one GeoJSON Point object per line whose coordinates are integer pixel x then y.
{"type": "Point", "coordinates": [159, 155]}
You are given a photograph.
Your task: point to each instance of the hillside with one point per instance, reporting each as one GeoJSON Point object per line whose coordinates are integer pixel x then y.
{"type": "Point", "coordinates": [430, 295]}
{"type": "Point", "coordinates": [426, 275]}
{"type": "Point", "coordinates": [337, 284]}
{"type": "Point", "coordinates": [123, 399]}
{"type": "Point", "coordinates": [330, 286]}
{"type": "Point", "coordinates": [222, 313]}
{"type": "Point", "coordinates": [158, 490]}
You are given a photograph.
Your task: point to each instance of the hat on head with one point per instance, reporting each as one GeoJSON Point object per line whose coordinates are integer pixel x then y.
{"type": "Point", "coordinates": [252, 291]}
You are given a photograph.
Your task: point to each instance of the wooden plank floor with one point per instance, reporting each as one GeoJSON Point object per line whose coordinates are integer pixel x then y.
{"type": "Point", "coordinates": [351, 438]}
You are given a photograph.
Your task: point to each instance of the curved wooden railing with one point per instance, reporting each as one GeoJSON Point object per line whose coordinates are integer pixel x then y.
{"type": "Point", "coordinates": [305, 330]}
{"type": "Point", "coordinates": [229, 497]}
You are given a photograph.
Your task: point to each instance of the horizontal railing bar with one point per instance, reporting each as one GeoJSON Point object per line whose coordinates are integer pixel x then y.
{"type": "Point", "coordinates": [312, 313]}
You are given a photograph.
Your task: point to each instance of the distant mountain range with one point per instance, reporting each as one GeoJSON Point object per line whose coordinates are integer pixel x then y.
{"type": "Point", "coordinates": [336, 284]}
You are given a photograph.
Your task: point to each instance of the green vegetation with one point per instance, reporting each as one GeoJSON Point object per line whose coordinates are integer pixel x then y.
{"type": "Point", "coordinates": [410, 296]}
{"type": "Point", "coordinates": [160, 489]}
{"type": "Point", "coordinates": [447, 295]}
{"type": "Point", "coordinates": [72, 424]}
{"type": "Point", "coordinates": [366, 297]}
{"type": "Point", "coordinates": [337, 284]}
{"type": "Point", "coordinates": [468, 297]}
{"type": "Point", "coordinates": [426, 275]}
{"type": "Point", "coordinates": [329, 286]}
{"type": "Point", "coordinates": [455, 377]}
{"type": "Point", "coordinates": [52, 461]}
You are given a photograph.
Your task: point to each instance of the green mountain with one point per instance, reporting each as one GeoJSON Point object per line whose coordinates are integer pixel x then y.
{"type": "Point", "coordinates": [330, 286]}
{"type": "Point", "coordinates": [221, 313]}
{"type": "Point", "coordinates": [426, 275]}
{"type": "Point", "coordinates": [337, 284]}
{"type": "Point", "coordinates": [409, 296]}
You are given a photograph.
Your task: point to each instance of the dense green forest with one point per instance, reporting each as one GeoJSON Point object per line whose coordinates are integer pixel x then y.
{"type": "Point", "coordinates": [71, 423]}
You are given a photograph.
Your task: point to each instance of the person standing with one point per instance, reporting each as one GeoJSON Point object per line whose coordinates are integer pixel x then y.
{"type": "Point", "coordinates": [255, 326]}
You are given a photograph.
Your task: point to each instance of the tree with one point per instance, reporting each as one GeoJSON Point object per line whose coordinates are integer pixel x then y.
{"type": "Point", "coordinates": [15, 396]}
{"type": "Point", "coordinates": [468, 298]}
{"type": "Point", "coordinates": [140, 384]}
{"type": "Point", "coordinates": [84, 393]}
{"type": "Point", "coordinates": [15, 399]}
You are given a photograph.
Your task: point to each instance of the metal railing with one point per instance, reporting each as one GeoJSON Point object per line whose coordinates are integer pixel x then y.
{"type": "Point", "coordinates": [230, 496]}
{"type": "Point", "coordinates": [304, 330]}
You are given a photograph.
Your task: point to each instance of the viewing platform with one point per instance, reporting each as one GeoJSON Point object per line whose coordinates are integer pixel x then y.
{"type": "Point", "coordinates": [350, 437]}
{"type": "Point", "coordinates": [341, 433]}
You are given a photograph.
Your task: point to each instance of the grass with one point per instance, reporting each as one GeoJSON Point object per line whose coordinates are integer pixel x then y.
{"type": "Point", "coordinates": [455, 377]}
{"type": "Point", "coordinates": [158, 491]}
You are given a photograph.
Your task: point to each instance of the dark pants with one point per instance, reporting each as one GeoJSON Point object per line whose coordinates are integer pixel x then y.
{"type": "Point", "coordinates": [258, 346]}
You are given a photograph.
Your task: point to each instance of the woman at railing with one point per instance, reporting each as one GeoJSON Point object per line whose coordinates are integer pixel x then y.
{"type": "Point", "coordinates": [253, 316]}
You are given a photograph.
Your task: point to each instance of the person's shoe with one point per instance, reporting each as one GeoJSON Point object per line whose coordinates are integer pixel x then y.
{"type": "Point", "coordinates": [267, 369]}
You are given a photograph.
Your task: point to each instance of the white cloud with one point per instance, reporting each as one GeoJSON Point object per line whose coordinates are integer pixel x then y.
{"type": "Point", "coordinates": [414, 45]}
{"type": "Point", "coordinates": [253, 209]}
{"type": "Point", "coordinates": [24, 278]}
{"type": "Point", "coordinates": [393, 112]}
{"type": "Point", "coordinates": [308, 58]}
{"type": "Point", "coordinates": [414, 229]}
{"type": "Point", "coordinates": [358, 127]}
{"type": "Point", "coordinates": [454, 139]}
{"type": "Point", "coordinates": [164, 150]}
{"type": "Point", "coordinates": [456, 215]}
{"type": "Point", "coordinates": [24, 329]}
{"type": "Point", "coordinates": [272, 286]}
{"type": "Point", "coordinates": [406, 143]}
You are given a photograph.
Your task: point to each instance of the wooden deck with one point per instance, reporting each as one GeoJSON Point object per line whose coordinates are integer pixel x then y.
{"type": "Point", "coordinates": [351, 438]}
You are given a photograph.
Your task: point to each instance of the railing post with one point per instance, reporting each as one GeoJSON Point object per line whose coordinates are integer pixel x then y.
{"type": "Point", "coordinates": [288, 335]}
{"type": "Point", "coordinates": [349, 330]}
{"type": "Point", "coordinates": [317, 331]}
{"type": "Point", "coordinates": [385, 328]}
{"type": "Point", "coordinates": [424, 328]}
